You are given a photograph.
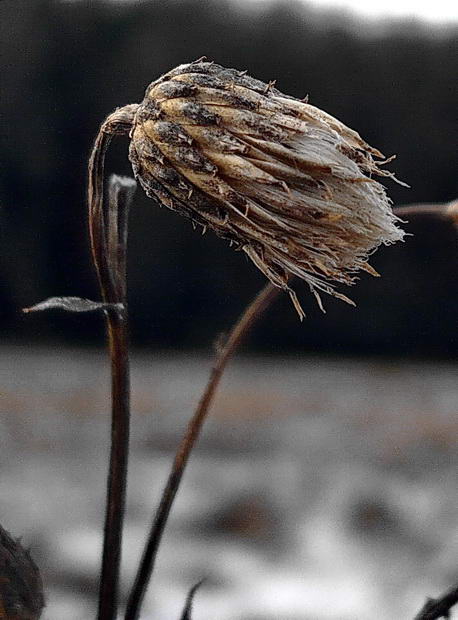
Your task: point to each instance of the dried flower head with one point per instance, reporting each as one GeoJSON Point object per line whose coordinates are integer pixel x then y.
{"type": "Point", "coordinates": [287, 183]}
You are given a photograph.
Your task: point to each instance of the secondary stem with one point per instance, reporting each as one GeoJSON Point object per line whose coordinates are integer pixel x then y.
{"type": "Point", "coordinates": [108, 232]}
{"type": "Point", "coordinates": [117, 479]}
{"type": "Point", "coordinates": [439, 210]}
{"type": "Point", "coordinates": [238, 332]}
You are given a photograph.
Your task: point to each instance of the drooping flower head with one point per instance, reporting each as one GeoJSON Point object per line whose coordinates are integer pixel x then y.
{"type": "Point", "coordinates": [290, 185]}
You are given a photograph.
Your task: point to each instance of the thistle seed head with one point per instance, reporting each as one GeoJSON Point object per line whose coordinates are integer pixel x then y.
{"type": "Point", "coordinates": [287, 183]}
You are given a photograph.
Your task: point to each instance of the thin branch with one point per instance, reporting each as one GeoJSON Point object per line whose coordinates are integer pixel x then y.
{"type": "Point", "coordinates": [108, 231]}
{"type": "Point", "coordinates": [117, 477]}
{"type": "Point", "coordinates": [439, 607]}
{"type": "Point", "coordinates": [447, 211]}
{"type": "Point", "coordinates": [238, 332]}
{"type": "Point", "coordinates": [117, 123]}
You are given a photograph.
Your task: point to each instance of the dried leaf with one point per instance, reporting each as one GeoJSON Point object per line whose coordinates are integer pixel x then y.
{"type": "Point", "coordinates": [71, 304]}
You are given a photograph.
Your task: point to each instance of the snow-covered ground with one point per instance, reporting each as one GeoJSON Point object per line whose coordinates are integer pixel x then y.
{"type": "Point", "coordinates": [320, 489]}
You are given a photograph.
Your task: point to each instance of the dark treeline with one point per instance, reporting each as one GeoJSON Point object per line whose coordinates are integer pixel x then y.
{"type": "Point", "coordinates": [65, 65]}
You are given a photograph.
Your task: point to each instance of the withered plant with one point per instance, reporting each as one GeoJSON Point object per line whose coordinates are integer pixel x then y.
{"type": "Point", "coordinates": [283, 181]}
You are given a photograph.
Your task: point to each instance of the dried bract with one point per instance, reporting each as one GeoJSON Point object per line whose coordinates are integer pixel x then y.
{"type": "Point", "coordinates": [287, 183]}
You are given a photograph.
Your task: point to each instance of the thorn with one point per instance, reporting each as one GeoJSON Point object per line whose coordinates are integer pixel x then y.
{"type": "Point", "coordinates": [190, 192]}
{"type": "Point", "coordinates": [201, 59]}
{"type": "Point", "coordinates": [305, 99]}
{"type": "Point", "coordinates": [242, 73]}
{"type": "Point", "coordinates": [204, 229]}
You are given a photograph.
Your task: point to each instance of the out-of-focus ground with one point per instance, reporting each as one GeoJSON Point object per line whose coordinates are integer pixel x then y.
{"type": "Point", "coordinates": [321, 488]}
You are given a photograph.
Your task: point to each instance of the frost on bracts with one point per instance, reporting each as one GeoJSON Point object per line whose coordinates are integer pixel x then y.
{"type": "Point", "coordinates": [287, 183]}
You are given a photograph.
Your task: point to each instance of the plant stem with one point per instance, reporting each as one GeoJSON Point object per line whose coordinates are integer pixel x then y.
{"type": "Point", "coordinates": [238, 332]}
{"type": "Point", "coordinates": [108, 229]}
{"type": "Point", "coordinates": [440, 210]}
{"type": "Point", "coordinates": [117, 478]}
{"type": "Point", "coordinates": [108, 226]}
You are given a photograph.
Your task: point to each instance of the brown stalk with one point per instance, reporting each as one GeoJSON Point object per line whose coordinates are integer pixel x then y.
{"type": "Point", "coordinates": [238, 332]}
{"type": "Point", "coordinates": [117, 477]}
{"type": "Point", "coordinates": [446, 211]}
{"type": "Point", "coordinates": [108, 233]}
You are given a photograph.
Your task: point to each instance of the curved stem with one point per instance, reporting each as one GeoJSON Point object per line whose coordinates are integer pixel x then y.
{"type": "Point", "coordinates": [108, 235]}
{"type": "Point", "coordinates": [117, 123]}
{"type": "Point", "coordinates": [238, 332]}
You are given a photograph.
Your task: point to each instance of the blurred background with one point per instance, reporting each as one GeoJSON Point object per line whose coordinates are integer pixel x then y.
{"type": "Point", "coordinates": [66, 65]}
{"type": "Point", "coordinates": [324, 484]}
